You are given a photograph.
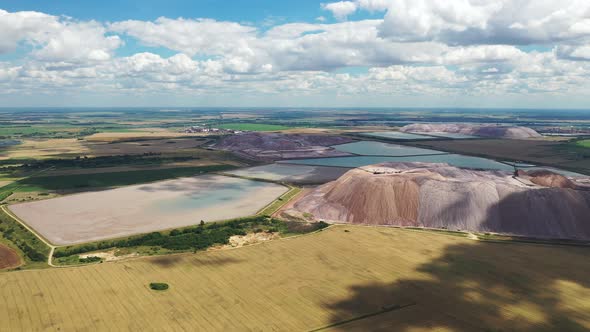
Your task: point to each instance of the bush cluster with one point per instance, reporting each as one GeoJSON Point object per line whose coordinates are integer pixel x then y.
{"type": "Point", "coordinates": [104, 161]}
{"type": "Point", "coordinates": [160, 286]}
{"type": "Point", "coordinates": [20, 236]}
{"type": "Point", "coordinates": [90, 259]}
{"type": "Point", "coordinates": [198, 237]}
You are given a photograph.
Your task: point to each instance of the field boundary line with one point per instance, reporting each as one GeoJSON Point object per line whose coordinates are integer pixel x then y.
{"type": "Point", "coordinates": [200, 252]}
{"type": "Point", "coordinates": [384, 309]}
{"type": "Point", "coordinates": [30, 229]}
{"type": "Point", "coordinates": [280, 199]}
{"type": "Point", "coordinates": [477, 236]}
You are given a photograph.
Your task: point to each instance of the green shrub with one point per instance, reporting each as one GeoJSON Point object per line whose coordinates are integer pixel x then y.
{"type": "Point", "coordinates": [159, 286]}
{"type": "Point", "coordinates": [5, 195]}
{"type": "Point", "coordinates": [90, 259]}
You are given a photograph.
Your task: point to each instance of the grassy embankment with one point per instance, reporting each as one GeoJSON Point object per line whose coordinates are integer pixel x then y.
{"type": "Point", "coordinates": [31, 249]}
{"type": "Point", "coordinates": [279, 202]}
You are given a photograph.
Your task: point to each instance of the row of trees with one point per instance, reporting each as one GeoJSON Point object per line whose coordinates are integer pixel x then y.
{"type": "Point", "coordinates": [9, 230]}
{"type": "Point", "coordinates": [104, 161]}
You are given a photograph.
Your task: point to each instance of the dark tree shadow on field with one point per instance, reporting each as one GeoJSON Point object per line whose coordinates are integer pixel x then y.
{"type": "Point", "coordinates": [480, 286]}
{"type": "Point", "coordinates": [468, 287]}
{"type": "Point", "coordinates": [169, 261]}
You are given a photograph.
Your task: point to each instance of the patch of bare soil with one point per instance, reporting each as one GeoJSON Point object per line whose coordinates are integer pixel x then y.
{"type": "Point", "coordinates": [8, 258]}
{"type": "Point", "coordinates": [237, 241]}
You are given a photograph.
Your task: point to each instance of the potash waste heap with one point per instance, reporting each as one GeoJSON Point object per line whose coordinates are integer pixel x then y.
{"type": "Point", "coordinates": [482, 130]}
{"type": "Point", "coordinates": [539, 204]}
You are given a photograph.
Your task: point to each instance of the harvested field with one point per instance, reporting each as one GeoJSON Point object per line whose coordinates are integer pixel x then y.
{"type": "Point", "coordinates": [8, 258]}
{"type": "Point", "coordinates": [540, 204]}
{"type": "Point", "coordinates": [139, 146]}
{"type": "Point", "coordinates": [298, 174]}
{"type": "Point", "coordinates": [156, 133]}
{"type": "Point", "coordinates": [252, 126]}
{"type": "Point", "coordinates": [145, 208]}
{"type": "Point", "coordinates": [44, 148]}
{"type": "Point", "coordinates": [69, 147]}
{"type": "Point", "coordinates": [400, 280]}
{"type": "Point", "coordinates": [275, 146]}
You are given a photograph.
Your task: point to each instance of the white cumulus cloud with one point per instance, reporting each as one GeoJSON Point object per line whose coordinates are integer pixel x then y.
{"type": "Point", "coordinates": [54, 38]}
{"type": "Point", "coordinates": [342, 9]}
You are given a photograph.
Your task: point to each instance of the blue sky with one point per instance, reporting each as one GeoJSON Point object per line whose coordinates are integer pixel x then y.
{"type": "Point", "coordinates": [498, 53]}
{"type": "Point", "coordinates": [254, 11]}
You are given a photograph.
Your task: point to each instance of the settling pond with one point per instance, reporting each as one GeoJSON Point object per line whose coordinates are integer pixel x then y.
{"type": "Point", "coordinates": [370, 152]}
{"type": "Point", "coordinates": [146, 208]}
{"type": "Point", "coordinates": [451, 159]}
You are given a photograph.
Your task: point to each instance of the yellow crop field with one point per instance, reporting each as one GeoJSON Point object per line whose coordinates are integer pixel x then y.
{"type": "Point", "coordinates": [343, 278]}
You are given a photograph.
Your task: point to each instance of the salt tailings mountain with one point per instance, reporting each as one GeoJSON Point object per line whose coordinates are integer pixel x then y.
{"type": "Point", "coordinates": [483, 130]}
{"type": "Point", "coordinates": [275, 146]}
{"type": "Point", "coordinates": [541, 204]}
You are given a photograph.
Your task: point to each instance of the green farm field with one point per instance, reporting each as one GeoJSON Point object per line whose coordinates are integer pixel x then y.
{"type": "Point", "coordinates": [342, 278]}
{"type": "Point", "coordinates": [253, 126]}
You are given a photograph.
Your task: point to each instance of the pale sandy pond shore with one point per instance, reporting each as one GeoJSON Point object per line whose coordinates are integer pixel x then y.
{"type": "Point", "coordinates": [145, 208]}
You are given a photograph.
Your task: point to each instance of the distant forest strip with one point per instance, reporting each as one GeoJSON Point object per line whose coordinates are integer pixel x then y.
{"type": "Point", "coordinates": [94, 162]}
{"type": "Point", "coordinates": [110, 179]}
{"type": "Point", "coordinates": [198, 237]}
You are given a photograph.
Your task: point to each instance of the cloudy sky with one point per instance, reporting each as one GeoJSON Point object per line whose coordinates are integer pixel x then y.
{"type": "Point", "coordinates": [373, 53]}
